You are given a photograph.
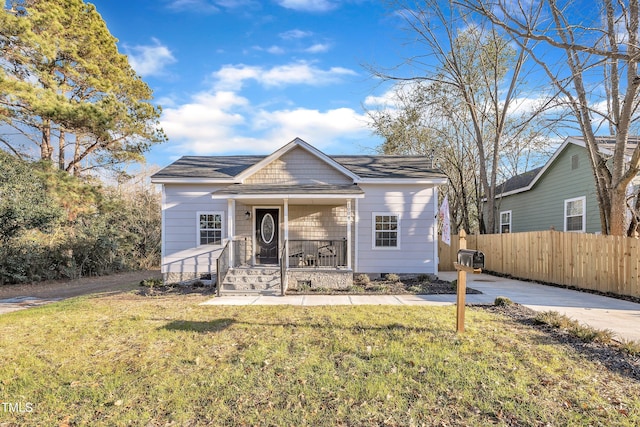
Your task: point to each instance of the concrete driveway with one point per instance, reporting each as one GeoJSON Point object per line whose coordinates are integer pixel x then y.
{"type": "Point", "coordinates": [600, 312]}
{"type": "Point", "coordinates": [622, 317]}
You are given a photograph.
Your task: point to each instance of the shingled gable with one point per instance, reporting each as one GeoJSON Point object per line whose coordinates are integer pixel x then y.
{"type": "Point", "coordinates": [296, 143]}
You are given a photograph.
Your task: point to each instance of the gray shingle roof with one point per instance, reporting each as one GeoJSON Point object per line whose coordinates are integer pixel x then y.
{"type": "Point", "coordinates": [518, 181]}
{"type": "Point", "coordinates": [239, 189]}
{"type": "Point", "coordinates": [366, 166]}
{"type": "Point", "coordinates": [389, 166]}
{"type": "Point", "coordinates": [211, 167]}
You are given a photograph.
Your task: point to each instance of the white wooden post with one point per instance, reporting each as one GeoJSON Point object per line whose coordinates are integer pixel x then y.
{"type": "Point", "coordinates": [349, 233]}
{"type": "Point", "coordinates": [356, 239]}
{"type": "Point", "coordinates": [231, 212]}
{"type": "Point", "coordinates": [286, 232]}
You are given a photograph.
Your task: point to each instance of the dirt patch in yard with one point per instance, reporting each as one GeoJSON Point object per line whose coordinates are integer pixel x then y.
{"type": "Point", "coordinates": [120, 282]}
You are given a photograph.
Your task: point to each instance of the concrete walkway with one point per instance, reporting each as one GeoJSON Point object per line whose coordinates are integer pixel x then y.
{"type": "Point", "coordinates": [8, 305]}
{"type": "Point", "coordinates": [622, 317]}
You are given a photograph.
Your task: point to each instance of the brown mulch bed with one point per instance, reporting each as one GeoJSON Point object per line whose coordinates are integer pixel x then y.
{"type": "Point", "coordinates": [406, 284]}
{"type": "Point", "coordinates": [157, 290]}
{"type": "Point", "coordinates": [608, 355]}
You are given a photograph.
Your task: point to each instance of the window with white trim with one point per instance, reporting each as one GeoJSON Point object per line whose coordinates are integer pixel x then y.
{"type": "Point", "coordinates": [505, 222]}
{"type": "Point", "coordinates": [210, 228]}
{"type": "Point", "coordinates": [386, 230]}
{"type": "Point", "coordinates": [574, 214]}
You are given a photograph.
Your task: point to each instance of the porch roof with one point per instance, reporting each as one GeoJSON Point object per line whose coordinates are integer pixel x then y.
{"type": "Point", "coordinates": [285, 191]}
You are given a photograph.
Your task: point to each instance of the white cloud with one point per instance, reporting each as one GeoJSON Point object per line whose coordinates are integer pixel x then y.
{"type": "Point", "coordinates": [210, 6]}
{"type": "Point", "coordinates": [232, 77]}
{"type": "Point", "coordinates": [321, 128]}
{"type": "Point", "coordinates": [275, 50]}
{"type": "Point", "coordinates": [150, 60]}
{"type": "Point", "coordinates": [201, 6]}
{"type": "Point", "coordinates": [308, 5]}
{"type": "Point", "coordinates": [207, 120]}
{"type": "Point", "coordinates": [295, 34]}
{"type": "Point", "coordinates": [318, 48]}
{"type": "Point", "coordinates": [224, 122]}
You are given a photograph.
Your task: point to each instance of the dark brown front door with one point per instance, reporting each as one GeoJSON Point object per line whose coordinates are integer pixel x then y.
{"type": "Point", "coordinates": [267, 225]}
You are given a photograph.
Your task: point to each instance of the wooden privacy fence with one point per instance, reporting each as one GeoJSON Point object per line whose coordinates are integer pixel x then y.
{"type": "Point", "coordinates": [586, 261]}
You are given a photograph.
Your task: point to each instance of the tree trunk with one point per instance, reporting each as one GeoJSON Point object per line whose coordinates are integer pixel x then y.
{"type": "Point", "coordinates": [46, 150]}
{"type": "Point", "coordinates": [617, 215]}
{"type": "Point", "coordinates": [76, 155]}
{"type": "Point", "coordinates": [61, 148]}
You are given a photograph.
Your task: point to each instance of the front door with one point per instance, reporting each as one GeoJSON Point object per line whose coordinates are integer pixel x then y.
{"type": "Point", "coordinates": [267, 225]}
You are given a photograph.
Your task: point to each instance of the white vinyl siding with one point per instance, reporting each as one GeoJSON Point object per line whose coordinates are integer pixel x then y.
{"type": "Point", "coordinates": [574, 214]}
{"type": "Point", "coordinates": [505, 222]}
{"type": "Point", "coordinates": [416, 209]}
{"type": "Point", "coordinates": [183, 252]}
{"type": "Point", "coordinates": [386, 231]}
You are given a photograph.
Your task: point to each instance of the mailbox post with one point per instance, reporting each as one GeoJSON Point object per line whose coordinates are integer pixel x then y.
{"type": "Point", "coordinates": [468, 261]}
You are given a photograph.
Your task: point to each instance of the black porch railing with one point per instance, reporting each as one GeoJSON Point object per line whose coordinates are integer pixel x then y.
{"type": "Point", "coordinates": [284, 282]}
{"type": "Point", "coordinates": [242, 252]}
{"type": "Point", "coordinates": [317, 253]}
{"type": "Point", "coordinates": [222, 267]}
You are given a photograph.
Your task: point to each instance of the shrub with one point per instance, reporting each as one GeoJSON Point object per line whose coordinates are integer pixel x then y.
{"type": "Point", "coordinates": [54, 225]}
{"type": "Point", "coordinates": [356, 289]}
{"type": "Point", "coordinates": [503, 301]}
{"type": "Point", "coordinates": [392, 277]}
{"type": "Point", "coordinates": [630, 347]}
{"type": "Point", "coordinates": [583, 332]}
{"type": "Point", "coordinates": [381, 287]}
{"type": "Point", "coordinates": [423, 278]}
{"type": "Point", "coordinates": [151, 282]}
{"type": "Point", "coordinates": [361, 280]}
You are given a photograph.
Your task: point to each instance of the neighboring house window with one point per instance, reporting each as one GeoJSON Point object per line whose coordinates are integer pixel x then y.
{"type": "Point", "coordinates": [575, 162]}
{"type": "Point", "coordinates": [505, 222]}
{"type": "Point", "coordinates": [386, 230]}
{"type": "Point", "coordinates": [209, 228]}
{"type": "Point", "coordinates": [574, 214]}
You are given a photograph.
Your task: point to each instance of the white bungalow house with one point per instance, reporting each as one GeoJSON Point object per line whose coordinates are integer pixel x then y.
{"type": "Point", "coordinates": [297, 217]}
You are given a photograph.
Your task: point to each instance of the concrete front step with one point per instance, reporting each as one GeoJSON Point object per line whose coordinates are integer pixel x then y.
{"type": "Point", "coordinates": [249, 292]}
{"type": "Point", "coordinates": [252, 280]}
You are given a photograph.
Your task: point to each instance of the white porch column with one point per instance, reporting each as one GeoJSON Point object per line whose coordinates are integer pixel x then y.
{"type": "Point", "coordinates": [231, 214]}
{"type": "Point", "coordinates": [286, 232]}
{"type": "Point", "coordinates": [349, 233]}
{"type": "Point", "coordinates": [357, 221]}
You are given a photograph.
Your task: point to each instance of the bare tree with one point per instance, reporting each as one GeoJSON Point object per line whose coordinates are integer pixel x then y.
{"type": "Point", "coordinates": [481, 73]}
{"type": "Point", "coordinates": [598, 79]}
{"type": "Point", "coordinates": [415, 122]}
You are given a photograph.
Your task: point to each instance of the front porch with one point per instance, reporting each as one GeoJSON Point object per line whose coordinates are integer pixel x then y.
{"type": "Point", "coordinates": [311, 264]}
{"type": "Point", "coordinates": [310, 239]}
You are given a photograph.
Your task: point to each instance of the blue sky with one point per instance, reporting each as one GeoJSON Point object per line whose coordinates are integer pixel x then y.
{"type": "Point", "coordinates": [244, 76]}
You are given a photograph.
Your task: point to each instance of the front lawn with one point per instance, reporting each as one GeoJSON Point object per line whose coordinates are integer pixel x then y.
{"type": "Point", "coordinates": [129, 359]}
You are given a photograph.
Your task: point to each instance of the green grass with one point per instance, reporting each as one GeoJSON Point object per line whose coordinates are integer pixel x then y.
{"type": "Point", "coordinates": [127, 359]}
